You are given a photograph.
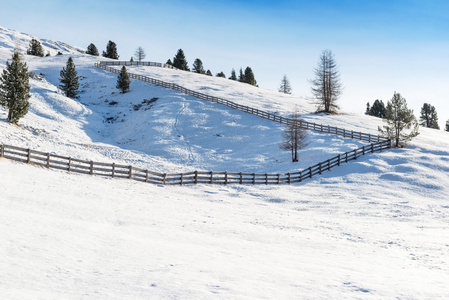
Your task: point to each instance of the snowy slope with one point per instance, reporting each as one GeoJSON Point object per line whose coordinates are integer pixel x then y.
{"type": "Point", "coordinates": [373, 228]}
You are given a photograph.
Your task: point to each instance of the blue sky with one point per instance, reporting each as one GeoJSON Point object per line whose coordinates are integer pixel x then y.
{"type": "Point", "coordinates": [380, 46]}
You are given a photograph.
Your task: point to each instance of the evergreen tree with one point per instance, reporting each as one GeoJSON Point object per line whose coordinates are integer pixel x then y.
{"type": "Point", "coordinates": [326, 87]}
{"type": "Point", "coordinates": [249, 77]}
{"type": "Point", "coordinates": [377, 110]}
{"type": "Point", "coordinates": [15, 89]}
{"type": "Point", "coordinates": [123, 81]}
{"type": "Point", "coordinates": [221, 74]}
{"type": "Point", "coordinates": [131, 59]}
{"type": "Point", "coordinates": [169, 62]}
{"type": "Point", "coordinates": [429, 117]}
{"type": "Point", "coordinates": [69, 79]}
{"type": "Point", "coordinates": [398, 117]}
{"type": "Point", "coordinates": [198, 66]}
{"type": "Point", "coordinates": [368, 109]}
{"type": "Point", "coordinates": [241, 76]}
{"type": "Point", "coordinates": [92, 50]}
{"type": "Point", "coordinates": [447, 126]}
{"type": "Point", "coordinates": [208, 73]}
{"type": "Point", "coordinates": [285, 86]}
{"type": "Point", "coordinates": [35, 48]}
{"type": "Point", "coordinates": [179, 61]}
{"type": "Point", "coordinates": [111, 50]}
{"type": "Point", "coordinates": [233, 75]}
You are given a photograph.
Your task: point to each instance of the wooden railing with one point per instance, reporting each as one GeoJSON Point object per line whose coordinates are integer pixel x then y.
{"type": "Point", "coordinates": [136, 63]}
{"type": "Point", "coordinates": [54, 161]}
{"type": "Point", "coordinates": [247, 109]}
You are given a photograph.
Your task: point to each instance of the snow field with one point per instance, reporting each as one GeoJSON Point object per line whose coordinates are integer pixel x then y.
{"type": "Point", "coordinates": [373, 228]}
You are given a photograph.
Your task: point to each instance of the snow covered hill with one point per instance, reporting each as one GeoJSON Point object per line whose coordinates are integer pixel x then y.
{"type": "Point", "coordinates": [373, 228]}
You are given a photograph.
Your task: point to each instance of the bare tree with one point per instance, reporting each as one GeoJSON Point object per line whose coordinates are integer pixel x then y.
{"type": "Point", "coordinates": [140, 54]}
{"type": "Point", "coordinates": [285, 86]}
{"type": "Point", "coordinates": [326, 87]}
{"type": "Point", "coordinates": [294, 136]}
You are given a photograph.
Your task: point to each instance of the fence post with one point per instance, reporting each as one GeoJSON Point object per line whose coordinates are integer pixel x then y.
{"type": "Point", "coordinates": [2, 152]}
{"type": "Point", "coordinates": [113, 170]}
{"type": "Point", "coordinates": [182, 177]}
{"type": "Point", "coordinates": [146, 175]}
{"type": "Point", "coordinates": [338, 159]}
{"type": "Point", "coordinates": [211, 177]}
{"type": "Point", "coordinates": [48, 160]}
{"type": "Point", "coordinates": [226, 177]}
{"type": "Point", "coordinates": [363, 150]}
{"type": "Point", "coordinates": [254, 178]}
{"type": "Point", "coordinates": [346, 156]}
{"type": "Point", "coordinates": [70, 161]}
{"type": "Point", "coordinates": [266, 178]}
{"type": "Point", "coordinates": [241, 178]}
{"type": "Point", "coordinates": [289, 178]}
{"type": "Point", "coordinates": [279, 178]}
{"type": "Point", "coordinates": [28, 156]}
{"type": "Point", "coordinates": [130, 172]}
{"type": "Point", "coordinates": [91, 172]}
{"type": "Point", "coordinates": [196, 177]}
{"type": "Point", "coordinates": [165, 178]}
{"type": "Point", "coordinates": [319, 168]}
{"type": "Point", "coordinates": [310, 171]}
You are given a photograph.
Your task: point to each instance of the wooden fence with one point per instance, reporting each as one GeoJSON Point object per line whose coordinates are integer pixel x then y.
{"type": "Point", "coordinates": [136, 63]}
{"type": "Point", "coordinates": [69, 164]}
{"type": "Point", "coordinates": [254, 111]}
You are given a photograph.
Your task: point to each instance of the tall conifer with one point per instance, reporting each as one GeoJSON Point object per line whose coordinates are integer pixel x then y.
{"type": "Point", "coordinates": [179, 61]}
{"type": "Point", "coordinates": [111, 50]}
{"type": "Point", "coordinates": [15, 89]}
{"type": "Point", "coordinates": [123, 81]}
{"type": "Point", "coordinates": [69, 79]}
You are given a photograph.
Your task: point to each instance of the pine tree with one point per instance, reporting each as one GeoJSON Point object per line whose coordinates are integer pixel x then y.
{"type": "Point", "coordinates": [123, 81]}
{"type": "Point", "coordinates": [111, 50]}
{"type": "Point", "coordinates": [221, 74]}
{"type": "Point", "coordinates": [169, 62]}
{"type": "Point", "coordinates": [285, 86]}
{"type": "Point", "coordinates": [92, 50]}
{"type": "Point", "coordinates": [208, 73]}
{"type": "Point", "coordinates": [294, 137]}
{"type": "Point", "coordinates": [15, 89]}
{"type": "Point", "coordinates": [398, 117]}
{"type": "Point", "coordinates": [326, 87]}
{"type": "Point", "coordinates": [198, 66]}
{"type": "Point", "coordinates": [131, 59]}
{"type": "Point", "coordinates": [69, 79]}
{"type": "Point", "coordinates": [429, 117]}
{"type": "Point", "coordinates": [241, 76]}
{"type": "Point", "coordinates": [447, 126]}
{"type": "Point", "coordinates": [180, 62]}
{"type": "Point", "coordinates": [35, 48]}
{"type": "Point", "coordinates": [249, 77]}
{"type": "Point", "coordinates": [368, 109]}
{"type": "Point", "coordinates": [233, 75]}
{"type": "Point", "coordinates": [377, 110]}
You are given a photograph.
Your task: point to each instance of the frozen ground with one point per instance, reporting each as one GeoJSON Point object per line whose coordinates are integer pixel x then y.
{"type": "Point", "coordinates": [373, 228]}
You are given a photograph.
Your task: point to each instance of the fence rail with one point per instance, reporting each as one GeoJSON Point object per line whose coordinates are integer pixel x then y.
{"type": "Point", "coordinates": [254, 111]}
{"type": "Point", "coordinates": [54, 161]}
{"type": "Point", "coordinates": [136, 63]}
